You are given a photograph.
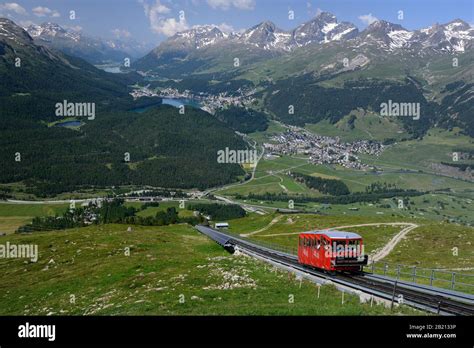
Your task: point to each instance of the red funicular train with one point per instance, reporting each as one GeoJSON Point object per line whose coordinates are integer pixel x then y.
{"type": "Point", "coordinates": [332, 250]}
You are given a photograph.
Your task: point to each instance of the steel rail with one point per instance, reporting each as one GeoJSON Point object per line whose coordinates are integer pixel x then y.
{"type": "Point", "coordinates": [434, 300]}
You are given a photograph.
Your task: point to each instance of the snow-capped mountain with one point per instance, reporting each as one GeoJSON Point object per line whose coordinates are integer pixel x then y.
{"type": "Point", "coordinates": [267, 36]}
{"type": "Point", "coordinates": [198, 37]}
{"type": "Point", "coordinates": [13, 38]}
{"type": "Point", "coordinates": [386, 34]}
{"type": "Point", "coordinates": [38, 61]}
{"type": "Point", "coordinates": [76, 43]}
{"type": "Point", "coordinates": [322, 29]}
{"type": "Point", "coordinates": [9, 31]}
{"type": "Point", "coordinates": [201, 47]}
{"type": "Point", "coordinates": [452, 37]}
{"type": "Point", "coordinates": [49, 31]}
{"type": "Point", "coordinates": [455, 36]}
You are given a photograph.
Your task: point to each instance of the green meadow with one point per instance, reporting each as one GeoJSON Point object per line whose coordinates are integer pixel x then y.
{"type": "Point", "coordinates": [173, 270]}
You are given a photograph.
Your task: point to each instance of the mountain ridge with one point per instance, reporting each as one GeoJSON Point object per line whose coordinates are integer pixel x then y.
{"type": "Point", "coordinates": [76, 43]}
{"type": "Point", "coordinates": [208, 48]}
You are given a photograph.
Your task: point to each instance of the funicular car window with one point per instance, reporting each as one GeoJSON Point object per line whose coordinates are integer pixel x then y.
{"type": "Point", "coordinates": [339, 245]}
{"type": "Point", "coordinates": [318, 243]}
{"type": "Point", "coordinates": [353, 245]}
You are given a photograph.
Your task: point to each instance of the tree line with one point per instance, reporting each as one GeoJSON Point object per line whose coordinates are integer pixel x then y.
{"type": "Point", "coordinates": [166, 150]}
{"type": "Point", "coordinates": [108, 212]}
{"type": "Point", "coordinates": [219, 211]}
{"type": "Point", "coordinates": [332, 187]}
{"type": "Point", "coordinates": [344, 199]}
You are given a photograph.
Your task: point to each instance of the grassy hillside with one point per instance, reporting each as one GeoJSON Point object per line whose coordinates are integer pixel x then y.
{"type": "Point", "coordinates": [366, 126]}
{"type": "Point", "coordinates": [114, 146]}
{"type": "Point", "coordinates": [410, 164]}
{"type": "Point", "coordinates": [284, 229]}
{"type": "Point", "coordinates": [13, 216]}
{"type": "Point", "coordinates": [173, 150]}
{"type": "Point", "coordinates": [429, 245]}
{"type": "Point", "coordinates": [170, 270]}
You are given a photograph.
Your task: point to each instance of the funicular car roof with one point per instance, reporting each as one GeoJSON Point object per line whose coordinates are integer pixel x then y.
{"type": "Point", "coordinates": [334, 234]}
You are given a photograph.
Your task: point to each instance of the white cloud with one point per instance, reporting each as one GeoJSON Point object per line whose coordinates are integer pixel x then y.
{"type": "Point", "coordinates": [368, 18]}
{"type": "Point", "coordinates": [41, 11]}
{"type": "Point", "coordinates": [227, 4]}
{"type": "Point", "coordinates": [156, 7]}
{"type": "Point", "coordinates": [226, 28]}
{"type": "Point", "coordinates": [13, 7]}
{"type": "Point", "coordinates": [169, 26]}
{"type": "Point", "coordinates": [158, 22]}
{"type": "Point", "coordinates": [121, 33]}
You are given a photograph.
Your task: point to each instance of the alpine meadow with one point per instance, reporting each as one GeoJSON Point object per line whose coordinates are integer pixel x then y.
{"type": "Point", "coordinates": [240, 166]}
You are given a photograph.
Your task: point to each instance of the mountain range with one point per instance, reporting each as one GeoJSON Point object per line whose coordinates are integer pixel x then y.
{"type": "Point", "coordinates": [324, 68]}
{"type": "Point", "coordinates": [34, 76]}
{"type": "Point", "coordinates": [324, 29]}
{"type": "Point", "coordinates": [75, 43]}
{"type": "Point", "coordinates": [328, 67]}
{"type": "Point", "coordinates": [172, 150]}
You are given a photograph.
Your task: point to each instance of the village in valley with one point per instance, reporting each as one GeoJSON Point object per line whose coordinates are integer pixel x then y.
{"type": "Point", "coordinates": [208, 102]}
{"type": "Point", "coordinates": [323, 149]}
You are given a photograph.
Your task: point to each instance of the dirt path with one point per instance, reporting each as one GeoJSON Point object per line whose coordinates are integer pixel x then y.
{"type": "Point", "coordinates": [393, 242]}
{"type": "Point", "coordinates": [408, 226]}
{"type": "Point", "coordinates": [280, 183]}
{"type": "Point", "coordinates": [273, 222]}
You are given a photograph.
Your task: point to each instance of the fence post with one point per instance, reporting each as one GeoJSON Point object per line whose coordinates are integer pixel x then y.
{"type": "Point", "coordinates": [373, 266]}
{"type": "Point", "coordinates": [398, 272]}
{"type": "Point", "coordinates": [453, 280]}
{"type": "Point", "coordinates": [432, 277]}
{"type": "Point", "coordinates": [414, 274]}
{"type": "Point", "coordinates": [385, 269]}
{"type": "Point", "coordinates": [393, 295]}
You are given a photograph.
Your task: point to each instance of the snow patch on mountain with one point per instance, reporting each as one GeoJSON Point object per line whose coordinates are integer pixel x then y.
{"type": "Point", "coordinates": [342, 34]}
{"type": "Point", "coordinates": [400, 38]}
{"type": "Point", "coordinates": [329, 27]}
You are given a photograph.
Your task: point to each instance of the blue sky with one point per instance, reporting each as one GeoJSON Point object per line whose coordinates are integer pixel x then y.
{"type": "Point", "coordinates": [152, 21]}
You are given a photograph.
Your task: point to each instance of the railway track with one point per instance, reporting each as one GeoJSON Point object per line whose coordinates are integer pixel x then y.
{"type": "Point", "coordinates": [434, 300]}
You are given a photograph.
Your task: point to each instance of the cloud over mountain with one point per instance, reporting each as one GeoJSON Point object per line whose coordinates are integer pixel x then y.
{"type": "Point", "coordinates": [227, 4]}
{"type": "Point", "coordinates": [13, 7]}
{"type": "Point", "coordinates": [41, 11]}
{"type": "Point", "coordinates": [161, 24]}
{"type": "Point", "coordinates": [368, 18]}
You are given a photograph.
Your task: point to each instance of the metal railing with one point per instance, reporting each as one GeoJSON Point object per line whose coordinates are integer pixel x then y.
{"type": "Point", "coordinates": [424, 276]}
